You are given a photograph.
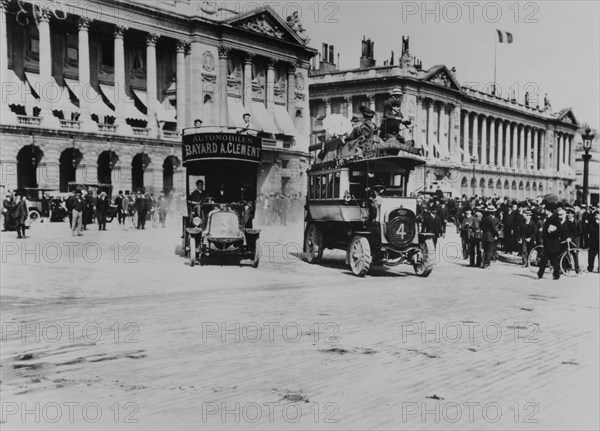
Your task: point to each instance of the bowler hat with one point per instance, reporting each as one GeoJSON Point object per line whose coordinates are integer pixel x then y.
{"type": "Point", "coordinates": [396, 91]}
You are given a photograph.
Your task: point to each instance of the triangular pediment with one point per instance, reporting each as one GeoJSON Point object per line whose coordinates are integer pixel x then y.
{"type": "Point", "coordinates": [567, 116]}
{"type": "Point", "coordinates": [440, 75]}
{"type": "Point", "coordinates": [266, 22]}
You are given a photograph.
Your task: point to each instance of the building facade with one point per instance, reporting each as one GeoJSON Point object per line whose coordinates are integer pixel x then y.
{"type": "Point", "coordinates": [98, 92]}
{"type": "Point", "coordinates": [478, 142]}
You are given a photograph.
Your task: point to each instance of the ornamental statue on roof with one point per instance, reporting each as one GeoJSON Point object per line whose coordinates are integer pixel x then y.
{"type": "Point", "coordinates": [293, 21]}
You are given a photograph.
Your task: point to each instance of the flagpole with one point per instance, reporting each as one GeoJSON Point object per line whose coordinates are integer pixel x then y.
{"type": "Point", "coordinates": [495, 56]}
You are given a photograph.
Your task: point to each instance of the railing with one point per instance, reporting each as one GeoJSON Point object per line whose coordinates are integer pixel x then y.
{"type": "Point", "coordinates": [107, 128]}
{"type": "Point", "coordinates": [29, 121]}
{"type": "Point", "coordinates": [71, 125]}
{"type": "Point", "coordinates": [140, 131]}
{"type": "Point", "coordinates": [170, 134]}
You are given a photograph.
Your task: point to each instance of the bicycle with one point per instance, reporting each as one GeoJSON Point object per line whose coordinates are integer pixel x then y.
{"type": "Point", "coordinates": [566, 260]}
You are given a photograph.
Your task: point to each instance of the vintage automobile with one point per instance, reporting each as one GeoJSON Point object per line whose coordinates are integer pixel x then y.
{"type": "Point", "coordinates": [357, 201]}
{"type": "Point", "coordinates": [219, 222]}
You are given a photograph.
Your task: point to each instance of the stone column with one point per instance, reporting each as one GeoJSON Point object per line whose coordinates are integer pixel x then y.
{"type": "Point", "coordinates": [180, 86]}
{"type": "Point", "coordinates": [492, 158]}
{"type": "Point", "coordinates": [349, 107]}
{"type": "Point", "coordinates": [327, 107]}
{"type": "Point", "coordinates": [84, 76]}
{"type": "Point", "coordinates": [466, 156]}
{"type": "Point", "coordinates": [483, 156]}
{"type": "Point", "coordinates": [431, 128]}
{"type": "Point", "coordinates": [515, 146]}
{"type": "Point", "coordinates": [475, 126]}
{"type": "Point", "coordinates": [291, 91]}
{"type": "Point", "coordinates": [557, 151]}
{"type": "Point", "coordinates": [270, 98]}
{"type": "Point", "coordinates": [247, 90]}
{"type": "Point", "coordinates": [528, 161]}
{"type": "Point", "coordinates": [534, 139]}
{"type": "Point", "coordinates": [222, 94]}
{"type": "Point", "coordinates": [46, 82]}
{"type": "Point", "coordinates": [522, 147]}
{"type": "Point", "coordinates": [454, 132]}
{"type": "Point", "coordinates": [564, 143]}
{"type": "Point", "coordinates": [500, 140]}
{"type": "Point", "coordinates": [6, 115]}
{"type": "Point", "coordinates": [371, 98]}
{"type": "Point", "coordinates": [151, 84]}
{"type": "Point", "coordinates": [444, 131]}
{"type": "Point", "coordinates": [119, 76]}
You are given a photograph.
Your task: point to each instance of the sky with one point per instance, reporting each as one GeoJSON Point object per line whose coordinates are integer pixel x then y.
{"type": "Point", "coordinates": [555, 49]}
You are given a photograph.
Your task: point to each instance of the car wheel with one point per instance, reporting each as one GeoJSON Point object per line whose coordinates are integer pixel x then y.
{"type": "Point", "coordinates": [34, 216]}
{"type": "Point", "coordinates": [313, 243]}
{"type": "Point", "coordinates": [424, 268]}
{"type": "Point", "coordinates": [359, 255]}
{"type": "Point", "coordinates": [192, 255]}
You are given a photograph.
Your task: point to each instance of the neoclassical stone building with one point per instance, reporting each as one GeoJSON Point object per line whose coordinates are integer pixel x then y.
{"type": "Point", "coordinates": [99, 91]}
{"type": "Point", "coordinates": [477, 142]}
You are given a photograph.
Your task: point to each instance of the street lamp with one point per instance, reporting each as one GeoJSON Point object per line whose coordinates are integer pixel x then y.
{"type": "Point", "coordinates": [473, 160]}
{"type": "Point", "coordinates": [588, 137]}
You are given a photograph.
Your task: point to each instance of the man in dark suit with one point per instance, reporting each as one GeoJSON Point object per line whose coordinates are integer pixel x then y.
{"type": "Point", "coordinates": [101, 210]}
{"type": "Point", "coordinates": [119, 203]}
{"type": "Point", "coordinates": [141, 207]}
{"type": "Point", "coordinates": [222, 196]}
{"type": "Point", "coordinates": [554, 234]}
{"type": "Point", "coordinates": [593, 221]}
{"type": "Point", "coordinates": [198, 194]}
{"type": "Point", "coordinates": [489, 235]}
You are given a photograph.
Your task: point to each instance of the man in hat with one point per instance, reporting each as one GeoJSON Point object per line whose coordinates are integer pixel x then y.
{"type": "Point", "coordinates": [489, 235]}
{"type": "Point", "coordinates": [475, 238]}
{"type": "Point", "coordinates": [553, 236]}
{"type": "Point", "coordinates": [77, 207]}
{"type": "Point", "coordinates": [573, 232]}
{"type": "Point", "coordinates": [101, 210]}
{"type": "Point", "coordinates": [466, 231]}
{"type": "Point", "coordinates": [395, 99]}
{"type": "Point", "coordinates": [118, 203]}
{"type": "Point", "coordinates": [593, 225]}
{"type": "Point", "coordinates": [8, 205]}
{"type": "Point", "coordinates": [367, 128]}
{"type": "Point", "coordinates": [197, 122]}
{"type": "Point", "coordinates": [527, 237]}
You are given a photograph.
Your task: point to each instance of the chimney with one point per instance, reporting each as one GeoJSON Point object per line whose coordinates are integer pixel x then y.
{"type": "Point", "coordinates": [324, 53]}
{"type": "Point", "coordinates": [331, 54]}
{"type": "Point", "coordinates": [367, 59]}
{"type": "Point", "coordinates": [392, 59]}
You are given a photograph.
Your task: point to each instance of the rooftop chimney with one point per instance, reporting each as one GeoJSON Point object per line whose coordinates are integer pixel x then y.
{"type": "Point", "coordinates": [368, 50]}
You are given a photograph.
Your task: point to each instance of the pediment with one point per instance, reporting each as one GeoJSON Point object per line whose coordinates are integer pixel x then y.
{"type": "Point", "coordinates": [266, 22]}
{"type": "Point", "coordinates": [567, 116]}
{"type": "Point", "coordinates": [440, 75]}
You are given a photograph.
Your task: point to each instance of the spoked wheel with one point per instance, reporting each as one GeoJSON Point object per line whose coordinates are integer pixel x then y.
{"type": "Point", "coordinates": [256, 260]}
{"type": "Point", "coordinates": [313, 243]}
{"type": "Point", "coordinates": [567, 263]}
{"type": "Point", "coordinates": [424, 268]}
{"type": "Point", "coordinates": [192, 255]}
{"type": "Point", "coordinates": [535, 257]}
{"type": "Point", "coordinates": [359, 255]}
{"type": "Point", "coordinates": [34, 216]}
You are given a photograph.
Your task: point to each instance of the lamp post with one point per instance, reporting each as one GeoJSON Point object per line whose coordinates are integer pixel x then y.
{"type": "Point", "coordinates": [473, 182]}
{"type": "Point", "coordinates": [587, 145]}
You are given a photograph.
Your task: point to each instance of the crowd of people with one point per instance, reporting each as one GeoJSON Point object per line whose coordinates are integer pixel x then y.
{"type": "Point", "coordinates": [279, 209]}
{"type": "Point", "coordinates": [486, 224]}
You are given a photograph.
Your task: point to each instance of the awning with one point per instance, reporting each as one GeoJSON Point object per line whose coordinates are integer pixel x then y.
{"type": "Point", "coordinates": [163, 113]}
{"type": "Point", "coordinates": [56, 94]}
{"type": "Point", "coordinates": [131, 111]}
{"type": "Point", "coordinates": [284, 121]}
{"type": "Point", "coordinates": [235, 111]}
{"type": "Point", "coordinates": [262, 118]}
{"type": "Point", "coordinates": [87, 92]}
{"type": "Point", "coordinates": [17, 92]}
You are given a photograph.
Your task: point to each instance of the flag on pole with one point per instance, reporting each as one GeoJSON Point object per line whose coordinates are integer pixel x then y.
{"type": "Point", "coordinates": [504, 36]}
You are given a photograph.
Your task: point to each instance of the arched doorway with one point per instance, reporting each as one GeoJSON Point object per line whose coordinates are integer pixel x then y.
{"type": "Point", "coordinates": [28, 159]}
{"type": "Point", "coordinates": [69, 160]}
{"type": "Point", "coordinates": [170, 164]}
{"type": "Point", "coordinates": [138, 165]}
{"type": "Point", "coordinates": [106, 162]}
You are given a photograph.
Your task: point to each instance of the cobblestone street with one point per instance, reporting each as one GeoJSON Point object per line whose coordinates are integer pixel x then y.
{"type": "Point", "coordinates": [112, 330]}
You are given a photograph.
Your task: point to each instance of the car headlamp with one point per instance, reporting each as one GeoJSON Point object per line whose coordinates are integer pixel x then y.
{"type": "Point", "coordinates": [197, 221]}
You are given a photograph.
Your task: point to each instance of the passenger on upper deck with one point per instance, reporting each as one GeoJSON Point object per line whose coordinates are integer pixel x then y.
{"type": "Point", "coordinates": [392, 117]}
{"type": "Point", "coordinates": [367, 128]}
